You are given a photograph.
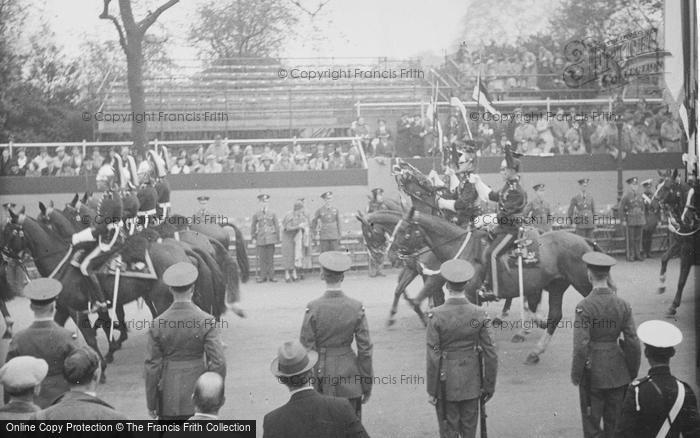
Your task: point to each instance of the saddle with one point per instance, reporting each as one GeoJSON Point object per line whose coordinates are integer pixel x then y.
{"type": "Point", "coordinates": [133, 268]}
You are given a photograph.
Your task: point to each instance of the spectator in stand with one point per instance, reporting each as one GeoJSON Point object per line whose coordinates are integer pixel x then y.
{"type": "Point", "coordinates": [573, 140]}
{"type": "Point", "coordinates": [88, 167]}
{"type": "Point", "coordinates": [249, 161]}
{"type": "Point", "coordinates": [180, 166]}
{"type": "Point", "coordinates": [318, 159]}
{"type": "Point", "coordinates": [57, 162]}
{"type": "Point", "coordinates": [416, 133]}
{"type": "Point", "coordinates": [526, 133]}
{"type": "Point", "coordinates": [529, 68]}
{"type": "Point", "coordinates": [196, 165]}
{"type": "Point", "coordinates": [336, 160]}
{"type": "Point", "coordinates": [559, 65]}
{"type": "Point", "coordinates": [219, 149]}
{"type": "Point", "coordinates": [5, 162]}
{"type": "Point", "coordinates": [33, 169]}
{"type": "Point", "coordinates": [66, 169]}
{"type": "Point", "coordinates": [670, 134]}
{"type": "Point", "coordinates": [362, 130]}
{"type": "Point", "coordinates": [559, 126]}
{"type": "Point", "coordinates": [545, 134]}
{"type": "Point", "coordinates": [652, 131]}
{"type": "Point", "coordinates": [42, 161]}
{"type": "Point", "coordinates": [301, 158]}
{"type": "Point", "coordinates": [538, 149]}
{"type": "Point", "coordinates": [492, 150]}
{"type": "Point", "coordinates": [284, 161]}
{"type": "Point", "coordinates": [383, 146]}
{"type": "Point", "coordinates": [640, 140]}
{"type": "Point", "coordinates": [587, 130]}
{"type": "Point", "coordinates": [76, 157]}
{"type": "Point", "coordinates": [22, 160]}
{"type": "Point", "coordinates": [212, 165]}
{"type": "Point", "coordinates": [97, 159]}
{"type": "Point", "coordinates": [403, 126]}
{"type": "Point", "coordinates": [237, 155]}
{"type": "Point", "coordinates": [267, 159]}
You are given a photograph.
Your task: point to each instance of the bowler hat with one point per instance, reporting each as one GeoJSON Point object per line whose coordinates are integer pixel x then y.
{"type": "Point", "coordinates": [660, 334]}
{"type": "Point", "coordinates": [293, 359]}
{"type": "Point", "coordinates": [180, 274]}
{"type": "Point", "coordinates": [23, 372]}
{"type": "Point", "coordinates": [335, 261]}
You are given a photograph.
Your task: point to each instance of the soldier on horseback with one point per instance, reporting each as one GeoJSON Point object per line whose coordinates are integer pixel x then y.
{"type": "Point", "coordinates": [464, 198]}
{"type": "Point", "coordinates": [105, 226]}
{"type": "Point", "coordinates": [128, 193]}
{"type": "Point", "coordinates": [511, 200]}
{"type": "Point", "coordinates": [162, 185]}
{"type": "Point", "coordinates": [150, 169]}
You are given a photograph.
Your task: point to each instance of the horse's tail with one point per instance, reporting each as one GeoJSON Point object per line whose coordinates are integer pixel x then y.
{"type": "Point", "coordinates": [241, 254]}
{"type": "Point", "coordinates": [210, 291]}
{"type": "Point", "coordinates": [229, 270]}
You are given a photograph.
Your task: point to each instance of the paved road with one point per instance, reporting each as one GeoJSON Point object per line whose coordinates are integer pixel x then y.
{"type": "Point", "coordinates": [530, 401]}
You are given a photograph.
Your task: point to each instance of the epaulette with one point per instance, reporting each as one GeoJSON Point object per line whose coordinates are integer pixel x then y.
{"type": "Point", "coordinates": [637, 382]}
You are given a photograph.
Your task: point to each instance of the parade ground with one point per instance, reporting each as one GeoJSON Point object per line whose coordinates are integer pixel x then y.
{"type": "Point", "coordinates": [530, 400]}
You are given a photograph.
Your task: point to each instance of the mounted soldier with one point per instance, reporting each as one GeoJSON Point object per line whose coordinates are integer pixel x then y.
{"type": "Point", "coordinates": [147, 194]}
{"type": "Point", "coordinates": [463, 198]}
{"type": "Point", "coordinates": [511, 199]}
{"type": "Point", "coordinates": [162, 185]}
{"type": "Point", "coordinates": [129, 194]}
{"type": "Point", "coordinates": [105, 226]}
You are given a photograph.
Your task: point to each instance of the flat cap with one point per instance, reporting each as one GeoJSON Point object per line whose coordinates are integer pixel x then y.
{"type": "Point", "coordinates": [583, 181]}
{"type": "Point", "coordinates": [23, 372]}
{"type": "Point", "coordinates": [660, 334]}
{"type": "Point", "coordinates": [335, 261]}
{"type": "Point", "coordinates": [42, 289]}
{"type": "Point", "coordinates": [180, 274]}
{"type": "Point", "coordinates": [263, 197]}
{"type": "Point", "coordinates": [326, 195]}
{"type": "Point", "coordinates": [457, 271]}
{"type": "Point", "coordinates": [632, 180]}
{"type": "Point", "coordinates": [538, 186]}
{"type": "Point", "coordinates": [598, 259]}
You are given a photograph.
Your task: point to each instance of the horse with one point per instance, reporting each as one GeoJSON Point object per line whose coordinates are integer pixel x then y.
{"type": "Point", "coordinates": [49, 251]}
{"type": "Point", "coordinates": [560, 264]}
{"type": "Point", "coordinates": [684, 228]}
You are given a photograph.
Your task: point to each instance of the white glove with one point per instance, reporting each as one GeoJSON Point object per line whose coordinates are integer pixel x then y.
{"type": "Point", "coordinates": [473, 178]}
{"type": "Point", "coordinates": [482, 189]}
{"type": "Point", "coordinates": [446, 204]}
{"type": "Point", "coordinates": [82, 236]}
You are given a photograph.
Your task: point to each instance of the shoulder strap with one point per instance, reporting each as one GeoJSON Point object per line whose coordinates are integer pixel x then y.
{"type": "Point", "coordinates": [675, 409]}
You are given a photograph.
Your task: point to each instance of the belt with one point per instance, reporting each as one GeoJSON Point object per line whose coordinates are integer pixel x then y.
{"type": "Point", "coordinates": [459, 354]}
{"type": "Point", "coordinates": [604, 345]}
{"type": "Point", "coordinates": [336, 351]}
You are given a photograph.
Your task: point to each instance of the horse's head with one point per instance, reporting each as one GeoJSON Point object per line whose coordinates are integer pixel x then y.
{"type": "Point", "coordinates": [14, 241]}
{"type": "Point", "coordinates": [416, 185]}
{"type": "Point", "coordinates": [409, 235]}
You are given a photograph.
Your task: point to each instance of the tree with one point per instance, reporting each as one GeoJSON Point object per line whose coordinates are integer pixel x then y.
{"type": "Point", "coordinates": [242, 28]}
{"type": "Point", "coordinates": [131, 38]}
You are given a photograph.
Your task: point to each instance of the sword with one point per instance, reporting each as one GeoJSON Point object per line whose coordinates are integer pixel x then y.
{"type": "Point", "coordinates": [482, 402]}
{"type": "Point", "coordinates": [390, 243]}
{"type": "Point", "coordinates": [114, 303]}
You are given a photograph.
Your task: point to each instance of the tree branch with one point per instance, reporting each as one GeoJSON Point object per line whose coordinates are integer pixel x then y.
{"type": "Point", "coordinates": [153, 16]}
{"type": "Point", "coordinates": [105, 15]}
{"type": "Point", "coordinates": [312, 14]}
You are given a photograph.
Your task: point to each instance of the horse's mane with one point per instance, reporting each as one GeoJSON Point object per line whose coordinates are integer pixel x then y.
{"type": "Point", "coordinates": [50, 233]}
{"type": "Point", "coordinates": [437, 223]}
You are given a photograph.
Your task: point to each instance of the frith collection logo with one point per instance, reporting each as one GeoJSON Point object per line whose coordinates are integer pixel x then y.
{"type": "Point", "coordinates": [614, 62]}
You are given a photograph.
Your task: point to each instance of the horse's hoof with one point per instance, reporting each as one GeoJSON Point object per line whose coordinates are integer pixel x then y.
{"type": "Point", "coordinates": [661, 289]}
{"type": "Point", "coordinates": [103, 378]}
{"type": "Point", "coordinates": [671, 312]}
{"type": "Point", "coordinates": [532, 359]}
{"type": "Point", "coordinates": [518, 338]}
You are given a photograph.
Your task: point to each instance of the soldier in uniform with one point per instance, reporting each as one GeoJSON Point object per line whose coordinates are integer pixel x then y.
{"type": "Point", "coordinates": [538, 211]}
{"type": "Point", "coordinates": [632, 217]}
{"type": "Point", "coordinates": [376, 260]}
{"type": "Point", "coordinates": [652, 216]}
{"type": "Point", "coordinates": [203, 211]}
{"type": "Point", "coordinates": [511, 200]}
{"type": "Point", "coordinates": [105, 227]}
{"type": "Point", "coordinates": [183, 342]}
{"type": "Point", "coordinates": [129, 194]}
{"type": "Point", "coordinates": [326, 222]}
{"type": "Point", "coordinates": [461, 356]}
{"type": "Point", "coordinates": [147, 194]}
{"type": "Point", "coordinates": [465, 198]}
{"type": "Point", "coordinates": [658, 404]}
{"type": "Point", "coordinates": [582, 210]}
{"type": "Point", "coordinates": [162, 185]}
{"type": "Point", "coordinates": [330, 324]}
{"type": "Point", "coordinates": [44, 339]}
{"type": "Point", "coordinates": [265, 232]}
{"type": "Point", "coordinates": [603, 365]}
{"type": "Point", "coordinates": [21, 381]}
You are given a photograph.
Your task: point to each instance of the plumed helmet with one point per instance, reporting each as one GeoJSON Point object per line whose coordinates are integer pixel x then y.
{"type": "Point", "coordinates": [156, 164]}
{"type": "Point", "coordinates": [165, 156]}
{"type": "Point", "coordinates": [131, 166]}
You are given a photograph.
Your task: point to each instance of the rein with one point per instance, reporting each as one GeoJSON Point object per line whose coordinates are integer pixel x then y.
{"type": "Point", "coordinates": [430, 248]}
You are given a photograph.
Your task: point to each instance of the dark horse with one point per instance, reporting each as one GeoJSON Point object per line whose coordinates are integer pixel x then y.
{"type": "Point", "coordinates": [49, 250]}
{"type": "Point", "coordinates": [560, 264]}
{"type": "Point", "coordinates": [684, 229]}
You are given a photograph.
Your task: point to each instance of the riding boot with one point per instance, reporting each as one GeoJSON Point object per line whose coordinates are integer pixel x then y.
{"type": "Point", "coordinates": [97, 296]}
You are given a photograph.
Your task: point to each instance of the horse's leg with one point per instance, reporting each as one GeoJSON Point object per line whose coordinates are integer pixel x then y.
{"type": "Point", "coordinates": [686, 263]}
{"type": "Point", "coordinates": [406, 276]}
{"type": "Point", "coordinates": [115, 345]}
{"type": "Point", "coordinates": [556, 298]}
{"type": "Point", "coordinates": [506, 307]}
{"type": "Point", "coordinates": [671, 252]}
{"type": "Point", "coordinates": [90, 334]}
{"type": "Point", "coordinates": [432, 287]}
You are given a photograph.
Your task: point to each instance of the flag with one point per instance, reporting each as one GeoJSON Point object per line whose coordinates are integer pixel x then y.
{"type": "Point", "coordinates": [454, 101]}
{"type": "Point", "coordinates": [482, 96]}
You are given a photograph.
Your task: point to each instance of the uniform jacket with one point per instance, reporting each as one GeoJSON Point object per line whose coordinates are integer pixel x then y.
{"type": "Point", "coordinates": [327, 221]}
{"type": "Point", "coordinates": [467, 204]}
{"type": "Point", "coordinates": [18, 410]}
{"type": "Point", "coordinates": [582, 210]}
{"type": "Point", "coordinates": [51, 342]}
{"type": "Point", "coordinates": [148, 197]}
{"type": "Point", "coordinates": [265, 228]}
{"type": "Point", "coordinates": [454, 331]}
{"type": "Point", "coordinates": [74, 405]}
{"type": "Point", "coordinates": [330, 324]}
{"type": "Point", "coordinates": [310, 414]}
{"type": "Point", "coordinates": [183, 343]}
{"type": "Point", "coordinates": [632, 208]}
{"type": "Point", "coordinates": [539, 210]}
{"type": "Point", "coordinates": [600, 319]}
{"type": "Point", "coordinates": [649, 400]}
{"type": "Point", "coordinates": [511, 199]}
{"type": "Point", "coordinates": [162, 187]}
{"type": "Point", "coordinates": [652, 211]}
